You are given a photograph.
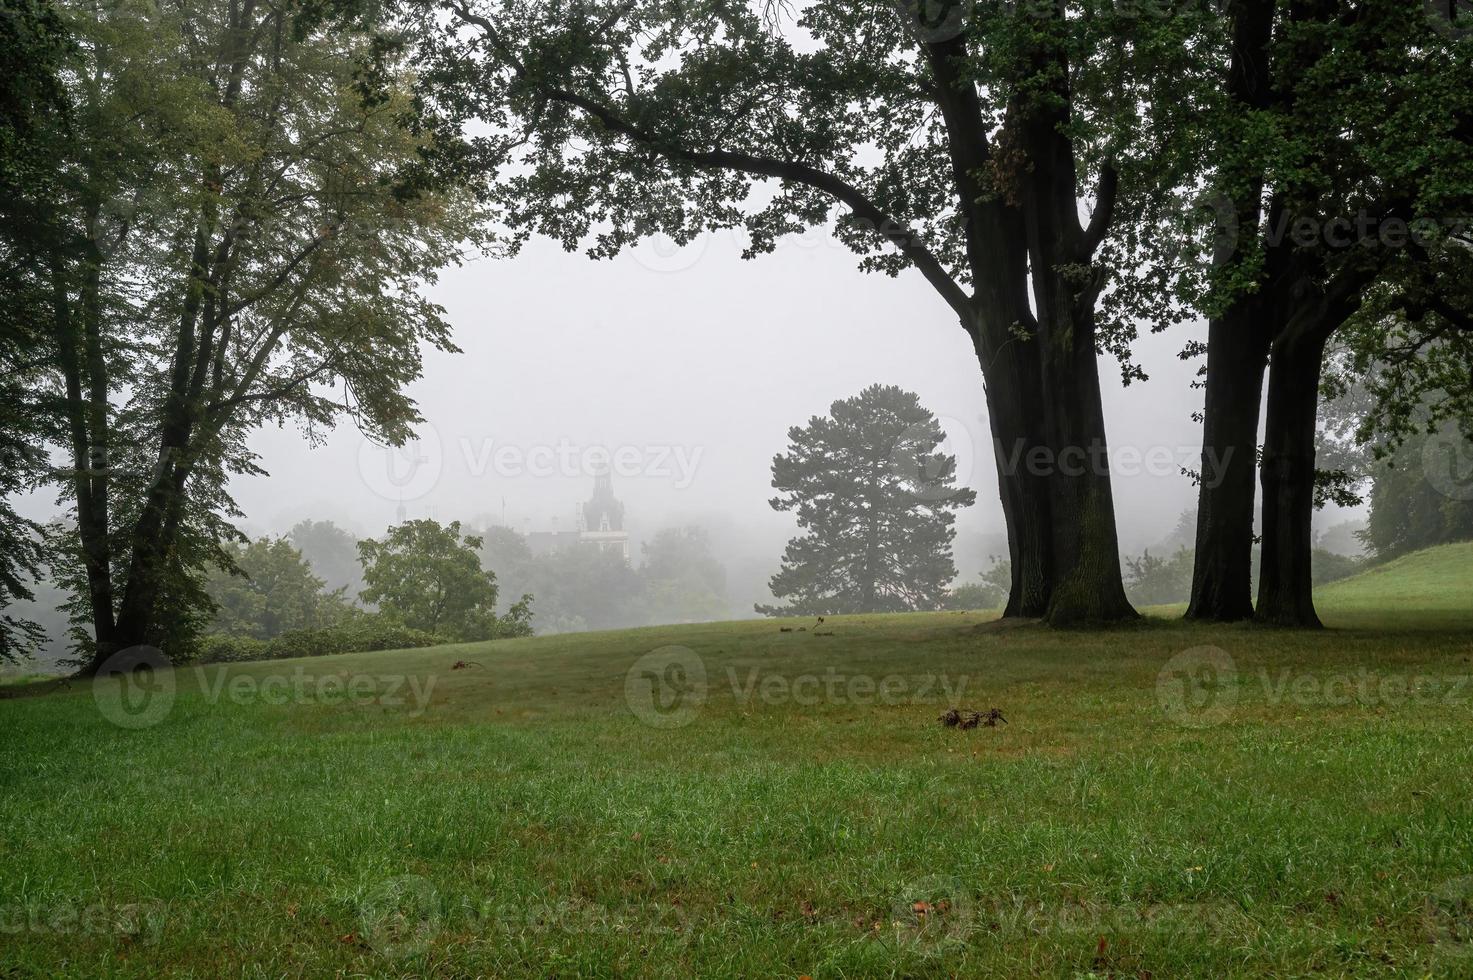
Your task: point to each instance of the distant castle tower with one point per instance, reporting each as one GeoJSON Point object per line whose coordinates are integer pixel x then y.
{"type": "Point", "coordinates": [601, 519]}
{"type": "Point", "coordinates": [598, 522]}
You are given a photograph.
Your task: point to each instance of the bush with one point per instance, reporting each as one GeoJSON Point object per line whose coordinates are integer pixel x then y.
{"type": "Point", "coordinates": [1151, 580]}
{"type": "Point", "coordinates": [358, 634]}
{"type": "Point", "coordinates": [1327, 566]}
{"type": "Point", "coordinates": [990, 591]}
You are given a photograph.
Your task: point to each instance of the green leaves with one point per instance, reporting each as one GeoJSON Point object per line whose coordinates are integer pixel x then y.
{"type": "Point", "coordinates": [425, 575]}
{"type": "Point", "coordinates": [875, 498]}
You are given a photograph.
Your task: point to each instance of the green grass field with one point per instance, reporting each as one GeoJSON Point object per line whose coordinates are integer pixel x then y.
{"type": "Point", "coordinates": [1162, 801]}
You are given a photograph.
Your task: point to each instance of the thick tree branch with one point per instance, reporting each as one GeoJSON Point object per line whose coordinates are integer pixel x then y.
{"type": "Point", "coordinates": [1104, 212]}
{"type": "Point", "coordinates": [898, 233]}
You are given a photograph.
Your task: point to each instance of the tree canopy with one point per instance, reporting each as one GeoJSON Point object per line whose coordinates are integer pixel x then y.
{"type": "Point", "coordinates": [876, 500]}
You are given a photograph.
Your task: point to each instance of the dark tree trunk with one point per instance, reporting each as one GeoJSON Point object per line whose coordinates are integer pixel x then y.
{"type": "Point", "coordinates": [1086, 554]}
{"type": "Point", "coordinates": [999, 314]}
{"type": "Point", "coordinates": [85, 374]}
{"type": "Point", "coordinates": [1286, 588]}
{"type": "Point", "coordinates": [1066, 283]}
{"type": "Point", "coordinates": [1014, 411]}
{"type": "Point", "coordinates": [150, 546]}
{"type": "Point", "coordinates": [1237, 352]}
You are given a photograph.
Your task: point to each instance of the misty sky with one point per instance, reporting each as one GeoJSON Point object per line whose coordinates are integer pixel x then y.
{"type": "Point", "coordinates": [693, 363]}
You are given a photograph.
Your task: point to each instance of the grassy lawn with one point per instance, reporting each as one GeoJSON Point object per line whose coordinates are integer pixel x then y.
{"type": "Point", "coordinates": [1162, 800]}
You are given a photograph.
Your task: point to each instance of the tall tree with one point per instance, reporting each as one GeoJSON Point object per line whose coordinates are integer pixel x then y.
{"type": "Point", "coordinates": [1305, 157]}
{"type": "Point", "coordinates": [34, 49]}
{"type": "Point", "coordinates": [269, 590]}
{"type": "Point", "coordinates": [876, 500]}
{"type": "Point", "coordinates": [331, 551]}
{"type": "Point", "coordinates": [954, 140]}
{"type": "Point", "coordinates": [426, 575]}
{"type": "Point", "coordinates": [683, 581]}
{"type": "Point", "coordinates": [252, 237]}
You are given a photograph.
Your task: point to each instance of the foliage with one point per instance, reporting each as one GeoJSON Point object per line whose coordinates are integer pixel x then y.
{"type": "Point", "coordinates": [875, 499]}
{"type": "Point", "coordinates": [1155, 581]}
{"type": "Point", "coordinates": [989, 591]}
{"type": "Point", "coordinates": [271, 590]}
{"type": "Point", "coordinates": [358, 632]}
{"type": "Point", "coordinates": [332, 552]}
{"type": "Point", "coordinates": [244, 239]}
{"type": "Point", "coordinates": [425, 575]}
{"type": "Point", "coordinates": [583, 587]}
{"type": "Point", "coordinates": [34, 49]}
{"type": "Point", "coordinates": [505, 554]}
{"type": "Point", "coordinates": [1409, 511]}
{"type": "Point", "coordinates": [683, 581]}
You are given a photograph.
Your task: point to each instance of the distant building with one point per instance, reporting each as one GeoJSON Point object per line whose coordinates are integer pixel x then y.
{"type": "Point", "coordinates": [598, 522]}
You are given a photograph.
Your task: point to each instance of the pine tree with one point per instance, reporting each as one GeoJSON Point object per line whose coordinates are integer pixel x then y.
{"type": "Point", "coordinates": [876, 500]}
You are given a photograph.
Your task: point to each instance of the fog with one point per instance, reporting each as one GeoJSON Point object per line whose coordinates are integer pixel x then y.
{"type": "Point", "coordinates": [690, 365]}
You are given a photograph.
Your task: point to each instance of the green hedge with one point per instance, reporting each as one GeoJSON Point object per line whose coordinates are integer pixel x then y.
{"type": "Point", "coordinates": [359, 635]}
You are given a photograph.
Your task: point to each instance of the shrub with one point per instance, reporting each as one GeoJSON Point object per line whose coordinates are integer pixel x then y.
{"type": "Point", "coordinates": [358, 634]}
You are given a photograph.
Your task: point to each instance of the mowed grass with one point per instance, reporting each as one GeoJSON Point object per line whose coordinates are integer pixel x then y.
{"type": "Point", "coordinates": [1163, 800]}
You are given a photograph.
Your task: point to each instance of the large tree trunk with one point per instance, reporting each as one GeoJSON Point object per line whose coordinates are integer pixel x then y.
{"type": "Point", "coordinates": [1086, 553]}
{"type": "Point", "coordinates": [997, 255]}
{"type": "Point", "coordinates": [1237, 352]}
{"type": "Point", "coordinates": [151, 547]}
{"type": "Point", "coordinates": [85, 376]}
{"type": "Point", "coordinates": [1014, 411]}
{"type": "Point", "coordinates": [1286, 588]}
{"type": "Point", "coordinates": [1237, 349]}
{"type": "Point", "coordinates": [1066, 283]}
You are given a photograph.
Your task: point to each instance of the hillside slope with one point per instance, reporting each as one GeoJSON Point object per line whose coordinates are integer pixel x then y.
{"type": "Point", "coordinates": [1431, 587]}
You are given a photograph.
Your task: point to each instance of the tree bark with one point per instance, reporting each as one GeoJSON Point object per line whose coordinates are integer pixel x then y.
{"type": "Point", "coordinates": [1014, 409]}
{"type": "Point", "coordinates": [84, 369]}
{"type": "Point", "coordinates": [1002, 330]}
{"type": "Point", "coordinates": [1237, 353]}
{"type": "Point", "coordinates": [1088, 587]}
{"type": "Point", "coordinates": [1286, 588]}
